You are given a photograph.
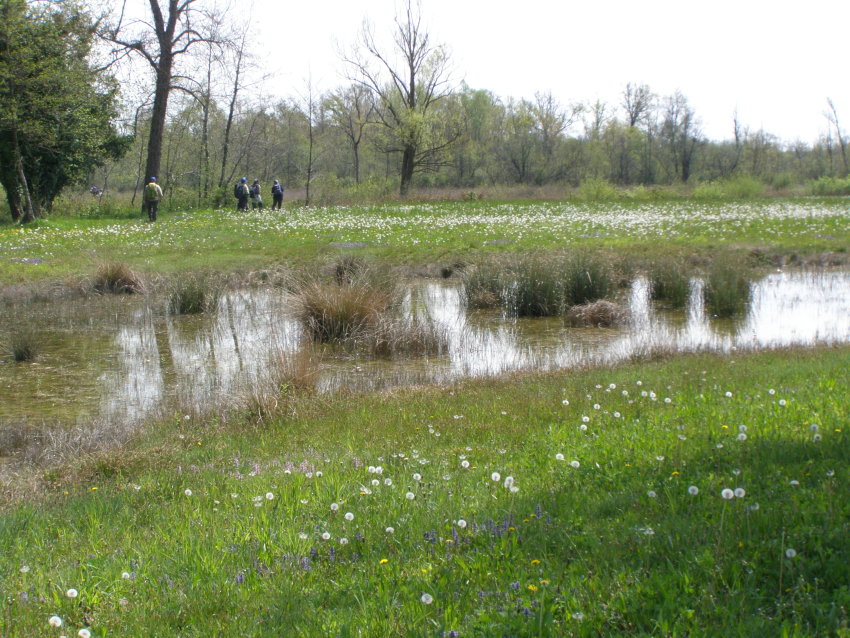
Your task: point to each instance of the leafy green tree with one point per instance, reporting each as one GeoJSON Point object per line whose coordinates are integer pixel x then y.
{"type": "Point", "coordinates": [55, 108]}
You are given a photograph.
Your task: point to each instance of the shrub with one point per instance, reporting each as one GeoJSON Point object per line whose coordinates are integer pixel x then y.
{"type": "Point", "coordinates": [742, 187]}
{"type": "Point", "coordinates": [597, 190]}
{"type": "Point", "coordinates": [826, 186]}
{"type": "Point", "coordinates": [727, 290]}
{"type": "Point", "coordinates": [117, 278]}
{"type": "Point", "coordinates": [708, 190]}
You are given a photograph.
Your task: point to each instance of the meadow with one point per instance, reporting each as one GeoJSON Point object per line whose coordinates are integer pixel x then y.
{"type": "Point", "coordinates": [697, 495]}
{"type": "Point", "coordinates": [416, 234]}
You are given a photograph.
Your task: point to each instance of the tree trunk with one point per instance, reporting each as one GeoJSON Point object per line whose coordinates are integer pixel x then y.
{"type": "Point", "coordinates": [407, 169]}
{"type": "Point", "coordinates": [158, 113]}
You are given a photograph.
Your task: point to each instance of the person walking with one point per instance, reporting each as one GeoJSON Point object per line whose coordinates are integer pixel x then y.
{"type": "Point", "coordinates": [241, 193]}
{"type": "Point", "coordinates": [277, 195]}
{"type": "Point", "coordinates": [256, 200]}
{"type": "Point", "coordinates": [151, 196]}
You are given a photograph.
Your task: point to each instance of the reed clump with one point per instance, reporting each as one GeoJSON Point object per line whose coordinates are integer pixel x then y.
{"type": "Point", "coordinates": [727, 288]}
{"type": "Point", "coordinates": [194, 294]}
{"type": "Point", "coordinates": [347, 309]}
{"type": "Point", "coordinates": [117, 278]}
{"type": "Point", "coordinates": [586, 278]}
{"type": "Point", "coordinates": [23, 345]}
{"type": "Point", "coordinates": [669, 283]}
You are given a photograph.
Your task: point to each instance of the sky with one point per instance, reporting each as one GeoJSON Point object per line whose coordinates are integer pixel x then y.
{"type": "Point", "coordinates": [774, 62]}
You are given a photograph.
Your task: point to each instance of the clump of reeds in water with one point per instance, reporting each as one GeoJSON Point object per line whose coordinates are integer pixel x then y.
{"type": "Point", "coordinates": [586, 278]}
{"type": "Point", "coordinates": [534, 289]}
{"type": "Point", "coordinates": [669, 283]}
{"type": "Point", "coordinates": [482, 286]}
{"type": "Point", "coordinates": [193, 294]}
{"type": "Point", "coordinates": [727, 288]}
{"type": "Point", "coordinates": [344, 309]}
{"type": "Point", "coordinates": [288, 376]}
{"type": "Point", "coordinates": [23, 344]}
{"type": "Point", "coordinates": [117, 278]}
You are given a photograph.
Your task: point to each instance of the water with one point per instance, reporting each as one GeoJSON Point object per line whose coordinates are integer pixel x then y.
{"type": "Point", "coordinates": [122, 359]}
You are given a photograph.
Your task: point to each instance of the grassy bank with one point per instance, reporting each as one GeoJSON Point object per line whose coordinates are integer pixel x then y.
{"type": "Point", "coordinates": [418, 235]}
{"type": "Point", "coordinates": [697, 496]}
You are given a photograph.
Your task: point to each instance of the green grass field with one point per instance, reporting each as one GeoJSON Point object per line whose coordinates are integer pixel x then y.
{"type": "Point", "coordinates": [416, 234]}
{"type": "Point", "coordinates": [395, 515]}
{"type": "Point", "coordinates": [691, 496]}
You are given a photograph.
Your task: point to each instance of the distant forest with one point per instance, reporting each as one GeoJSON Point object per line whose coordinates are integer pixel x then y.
{"type": "Point", "coordinates": [191, 109]}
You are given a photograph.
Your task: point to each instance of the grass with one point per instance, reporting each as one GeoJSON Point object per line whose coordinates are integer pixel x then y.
{"type": "Point", "coordinates": [23, 344]}
{"type": "Point", "coordinates": [193, 294]}
{"type": "Point", "coordinates": [201, 528]}
{"type": "Point", "coordinates": [727, 288]}
{"type": "Point", "coordinates": [117, 278]}
{"type": "Point", "coordinates": [670, 283]}
{"type": "Point", "coordinates": [441, 234]}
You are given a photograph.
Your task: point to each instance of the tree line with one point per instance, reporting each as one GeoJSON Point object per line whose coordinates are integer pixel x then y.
{"type": "Point", "coordinates": [195, 119]}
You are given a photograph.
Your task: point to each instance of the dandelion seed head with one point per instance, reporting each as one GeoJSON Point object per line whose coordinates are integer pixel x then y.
{"type": "Point", "coordinates": [72, 593]}
{"type": "Point", "coordinates": [575, 464]}
{"type": "Point", "coordinates": [740, 492]}
{"type": "Point", "coordinates": [464, 464]}
{"type": "Point", "coordinates": [426, 598]}
{"type": "Point", "coordinates": [417, 476]}
{"type": "Point", "coordinates": [495, 476]}
{"type": "Point", "coordinates": [651, 494]}
{"type": "Point", "coordinates": [187, 492]}
{"type": "Point", "coordinates": [461, 523]}
{"type": "Point", "coordinates": [334, 507]}
{"type": "Point", "coordinates": [326, 536]}
{"type": "Point", "coordinates": [559, 457]}
{"type": "Point", "coordinates": [410, 496]}
{"type": "Point", "coordinates": [54, 621]}
{"type": "Point", "coordinates": [727, 493]}
{"type": "Point", "coordinates": [269, 496]}
{"type": "Point", "coordinates": [693, 490]}
{"type": "Point", "coordinates": [790, 552]}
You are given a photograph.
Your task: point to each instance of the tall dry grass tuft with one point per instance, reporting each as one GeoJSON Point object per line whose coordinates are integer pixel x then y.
{"type": "Point", "coordinates": [333, 312]}
{"type": "Point", "coordinates": [117, 278]}
{"type": "Point", "coordinates": [597, 314]}
{"type": "Point", "coordinates": [727, 288]}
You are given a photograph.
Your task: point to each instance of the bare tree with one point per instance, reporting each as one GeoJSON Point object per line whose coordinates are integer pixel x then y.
{"type": "Point", "coordinates": [169, 33]}
{"type": "Point", "coordinates": [832, 116]}
{"type": "Point", "coordinates": [681, 132]}
{"type": "Point", "coordinates": [352, 110]}
{"type": "Point", "coordinates": [637, 101]}
{"type": "Point", "coordinates": [407, 93]}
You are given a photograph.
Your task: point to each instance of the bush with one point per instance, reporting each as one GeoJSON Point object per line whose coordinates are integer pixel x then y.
{"type": "Point", "coordinates": [597, 190]}
{"type": "Point", "coordinates": [827, 186]}
{"type": "Point", "coordinates": [708, 190]}
{"type": "Point", "coordinates": [742, 187]}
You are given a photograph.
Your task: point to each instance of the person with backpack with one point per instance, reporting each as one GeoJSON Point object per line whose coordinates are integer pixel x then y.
{"type": "Point", "coordinates": [256, 200]}
{"type": "Point", "coordinates": [150, 198]}
{"type": "Point", "coordinates": [241, 193]}
{"type": "Point", "coordinates": [277, 195]}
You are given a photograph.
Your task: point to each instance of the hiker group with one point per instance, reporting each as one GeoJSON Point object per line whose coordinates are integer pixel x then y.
{"type": "Point", "coordinates": [152, 194]}
{"type": "Point", "coordinates": [242, 192]}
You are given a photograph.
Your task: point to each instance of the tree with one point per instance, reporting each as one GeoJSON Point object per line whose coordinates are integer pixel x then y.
{"type": "Point", "coordinates": [56, 110]}
{"type": "Point", "coordinates": [832, 116]}
{"type": "Point", "coordinates": [161, 43]}
{"type": "Point", "coordinates": [681, 132]}
{"type": "Point", "coordinates": [407, 99]}
{"type": "Point", "coordinates": [352, 110]}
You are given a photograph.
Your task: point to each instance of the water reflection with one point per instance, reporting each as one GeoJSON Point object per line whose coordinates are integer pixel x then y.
{"type": "Point", "coordinates": [211, 360]}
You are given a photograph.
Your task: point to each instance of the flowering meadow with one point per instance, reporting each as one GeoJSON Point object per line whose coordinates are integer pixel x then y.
{"type": "Point", "coordinates": [418, 233]}
{"type": "Point", "coordinates": [695, 496]}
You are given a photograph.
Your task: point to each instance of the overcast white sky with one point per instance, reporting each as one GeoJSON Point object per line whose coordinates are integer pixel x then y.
{"type": "Point", "coordinates": [776, 62]}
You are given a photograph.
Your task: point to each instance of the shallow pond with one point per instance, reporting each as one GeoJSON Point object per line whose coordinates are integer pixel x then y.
{"type": "Point", "coordinates": [122, 358]}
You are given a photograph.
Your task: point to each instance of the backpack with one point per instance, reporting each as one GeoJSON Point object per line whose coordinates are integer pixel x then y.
{"type": "Point", "coordinates": [239, 190]}
{"type": "Point", "coordinates": [151, 193]}
{"type": "Point", "coordinates": [277, 189]}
